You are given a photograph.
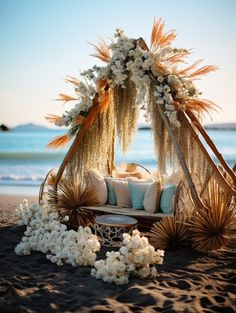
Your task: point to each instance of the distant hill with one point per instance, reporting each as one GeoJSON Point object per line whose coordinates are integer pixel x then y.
{"type": "Point", "coordinates": [4, 128]}
{"type": "Point", "coordinates": [216, 126]}
{"type": "Point", "coordinates": [30, 127]}
{"type": "Point", "coordinates": [221, 126]}
{"type": "Point", "coordinates": [144, 126]}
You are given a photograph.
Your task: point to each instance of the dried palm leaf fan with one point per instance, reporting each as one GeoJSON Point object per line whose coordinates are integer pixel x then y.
{"type": "Point", "coordinates": [68, 199]}
{"type": "Point", "coordinates": [168, 233]}
{"type": "Point", "coordinates": [214, 227]}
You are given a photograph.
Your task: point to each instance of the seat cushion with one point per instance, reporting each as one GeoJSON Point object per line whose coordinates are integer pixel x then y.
{"type": "Point", "coordinates": [167, 198]}
{"type": "Point", "coordinates": [152, 197]}
{"type": "Point", "coordinates": [111, 199]}
{"type": "Point", "coordinates": [137, 192]}
{"type": "Point", "coordinates": [122, 193]}
{"type": "Point", "coordinates": [99, 183]}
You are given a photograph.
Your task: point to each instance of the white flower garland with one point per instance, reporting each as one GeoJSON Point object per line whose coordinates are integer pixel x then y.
{"type": "Point", "coordinates": [45, 233]}
{"type": "Point", "coordinates": [136, 257]}
{"type": "Point", "coordinates": [128, 59]}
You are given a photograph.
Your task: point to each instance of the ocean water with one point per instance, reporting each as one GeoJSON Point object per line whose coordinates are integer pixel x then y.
{"type": "Point", "coordinates": [25, 159]}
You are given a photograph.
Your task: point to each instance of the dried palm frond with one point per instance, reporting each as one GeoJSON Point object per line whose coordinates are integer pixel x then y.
{"type": "Point", "coordinates": [159, 39]}
{"type": "Point", "coordinates": [53, 118]}
{"type": "Point", "coordinates": [65, 98]}
{"type": "Point", "coordinates": [213, 227]}
{"type": "Point", "coordinates": [59, 142]}
{"type": "Point", "coordinates": [102, 51]}
{"type": "Point", "coordinates": [168, 233]}
{"type": "Point", "coordinates": [72, 80]}
{"type": "Point", "coordinates": [68, 199]}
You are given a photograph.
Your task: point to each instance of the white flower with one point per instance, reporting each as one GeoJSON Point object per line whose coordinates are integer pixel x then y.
{"type": "Point", "coordinates": [160, 101]}
{"type": "Point", "coordinates": [131, 53]}
{"type": "Point", "coordinates": [159, 88]}
{"type": "Point", "coordinates": [136, 256]}
{"type": "Point", "coordinates": [138, 61]}
{"type": "Point", "coordinates": [45, 233]}
{"type": "Point", "coordinates": [119, 32]}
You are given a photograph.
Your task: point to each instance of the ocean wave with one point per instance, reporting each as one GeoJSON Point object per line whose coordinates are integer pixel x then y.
{"type": "Point", "coordinates": [21, 180]}
{"type": "Point", "coordinates": [13, 177]}
{"type": "Point", "coordinates": [12, 157]}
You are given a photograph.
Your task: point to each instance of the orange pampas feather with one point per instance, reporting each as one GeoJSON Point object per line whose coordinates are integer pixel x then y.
{"type": "Point", "coordinates": [58, 142]}
{"type": "Point", "coordinates": [158, 38]}
{"type": "Point", "coordinates": [102, 51]}
{"type": "Point", "coordinates": [72, 80]}
{"type": "Point", "coordinates": [65, 98]}
{"type": "Point", "coordinates": [203, 70]}
{"type": "Point", "coordinates": [198, 72]}
{"type": "Point", "coordinates": [178, 57]}
{"type": "Point", "coordinates": [186, 70]}
{"type": "Point", "coordinates": [200, 105]}
{"type": "Point", "coordinates": [53, 118]}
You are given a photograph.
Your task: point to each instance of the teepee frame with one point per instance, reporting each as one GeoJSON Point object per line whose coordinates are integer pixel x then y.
{"type": "Point", "coordinates": [192, 123]}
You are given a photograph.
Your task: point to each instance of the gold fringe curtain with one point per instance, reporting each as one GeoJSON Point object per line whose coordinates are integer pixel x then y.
{"type": "Point", "coordinates": [162, 142]}
{"type": "Point", "coordinates": [126, 113]}
{"type": "Point", "coordinates": [196, 160]}
{"type": "Point", "coordinates": [95, 150]}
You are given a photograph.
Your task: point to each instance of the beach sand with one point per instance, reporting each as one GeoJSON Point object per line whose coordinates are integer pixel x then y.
{"type": "Point", "coordinates": [188, 281]}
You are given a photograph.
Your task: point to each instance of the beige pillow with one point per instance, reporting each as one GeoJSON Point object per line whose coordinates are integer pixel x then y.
{"type": "Point", "coordinates": [100, 185]}
{"type": "Point", "coordinates": [152, 197]}
{"type": "Point", "coordinates": [122, 193]}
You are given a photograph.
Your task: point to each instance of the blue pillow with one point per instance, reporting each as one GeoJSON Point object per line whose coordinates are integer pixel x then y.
{"type": "Point", "coordinates": [111, 199]}
{"type": "Point", "coordinates": [167, 195]}
{"type": "Point", "coordinates": [137, 193]}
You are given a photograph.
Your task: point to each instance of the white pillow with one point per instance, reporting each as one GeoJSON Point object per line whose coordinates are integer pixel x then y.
{"type": "Point", "coordinates": [100, 185]}
{"type": "Point", "coordinates": [122, 193]}
{"type": "Point", "coordinates": [152, 197]}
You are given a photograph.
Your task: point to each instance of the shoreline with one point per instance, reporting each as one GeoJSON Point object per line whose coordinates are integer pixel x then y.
{"type": "Point", "coordinates": [10, 202]}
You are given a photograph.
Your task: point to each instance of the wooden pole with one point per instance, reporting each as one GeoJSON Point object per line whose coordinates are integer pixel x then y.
{"type": "Point", "coordinates": [69, 155]}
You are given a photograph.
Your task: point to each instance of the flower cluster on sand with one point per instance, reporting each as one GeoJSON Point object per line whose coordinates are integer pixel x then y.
{"type": "Point", "coordinates": [136, 257]}
{"type": "Point", "coordinates": [45, 233]}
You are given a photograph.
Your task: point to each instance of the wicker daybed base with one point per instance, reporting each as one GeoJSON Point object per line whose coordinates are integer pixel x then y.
{"type": "Point", "coordinates": [144, 218]}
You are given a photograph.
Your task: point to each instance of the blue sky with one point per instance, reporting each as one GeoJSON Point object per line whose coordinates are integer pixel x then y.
{"type": "Point", "coordinates": [43, 41]}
